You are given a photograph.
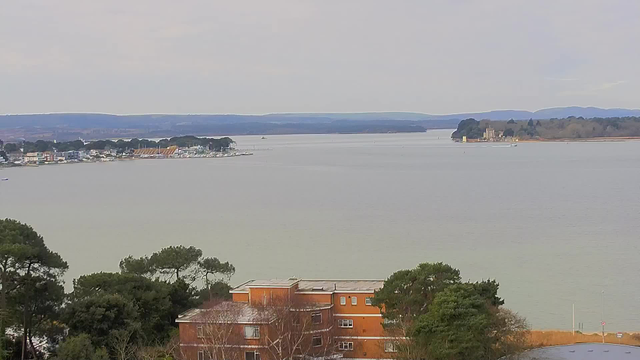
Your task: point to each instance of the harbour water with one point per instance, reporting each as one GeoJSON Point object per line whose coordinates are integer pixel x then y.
{"type": "Point", "coordinates": [555, 223]}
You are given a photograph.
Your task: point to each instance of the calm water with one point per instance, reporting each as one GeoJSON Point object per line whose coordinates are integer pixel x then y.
{"type": "Point", "coordinates": [554, 223]}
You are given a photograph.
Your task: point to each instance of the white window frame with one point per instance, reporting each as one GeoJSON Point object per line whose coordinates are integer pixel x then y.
{"type": "Point", "coordinates": [256, 329]}
{"type": "Point", "coordinates": [345, 345]}
{"type": "Point", "coordinates": [343, 300]}
{"type": "Point", "coordinates": [316, 315]}
{"type": "Point", "coordinates": [354, 300]}
{"type": "Point", "coordinates": [314, 338]}
{"type": "Point", "coordinates": [201, 355]}
{"type": "Point", "coordinates": [345, 323]}
{"type": "Point", "coordinates": [368, 301]}
{"type": "Point", "coordinates": [390, 347]}
{"type": "Point", "coordinates": [200, 331]}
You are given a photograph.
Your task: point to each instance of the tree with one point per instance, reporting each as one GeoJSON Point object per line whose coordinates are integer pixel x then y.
{"type": "Point", "coordinates": [434, 316]}
{"type": "Point", "coordinates": [139, 266]}
{"type": "Point", "coordinates": [9, 148]}
{"type": "Point", "coordinates": [456, 326]}
{"type": "Point", "coordinates": [151, 299]}
{"type": "Point", "coordinates": [38, 305]}
{"type": "Point", "coordinates": [179, 260]}
{"type": "Point", "coordinates": [80, 348]}
{"type": "Point", "coordinates": [408, 293]}
{"type": "Point", "coordinates": [98, 316]}
{"type": "Point", "coordinates": [213, 266]}
{"type": "Point", "coordinates": [508, 132]}
{"type": "Point", "coordinates": [218, 290]}
{"type": "Point", "coordinates": [23, 256]}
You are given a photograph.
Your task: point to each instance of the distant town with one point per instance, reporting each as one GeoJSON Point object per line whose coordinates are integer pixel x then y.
{"type": "Point", "coordinates": [51, 152]}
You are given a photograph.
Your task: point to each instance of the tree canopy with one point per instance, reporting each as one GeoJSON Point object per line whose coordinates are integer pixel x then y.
{"type": "Point", "coordinates": [442, 318]}
{"type": "Point", "coordinates": [180, 141]}
{"type": "Point", "coordinates": [567, 128]}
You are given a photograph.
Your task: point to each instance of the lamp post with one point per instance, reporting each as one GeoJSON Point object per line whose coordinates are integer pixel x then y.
{"type": "Point", "coordinates": [602, 316]}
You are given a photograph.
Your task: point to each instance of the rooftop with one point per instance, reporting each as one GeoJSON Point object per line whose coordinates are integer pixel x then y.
{"type": "Point", "coordinates": [315, 285]}
{"type": "Point", "coordinates": [228, 312]}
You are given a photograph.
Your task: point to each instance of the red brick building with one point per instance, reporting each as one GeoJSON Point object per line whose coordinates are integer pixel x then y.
{"type": "Point", "coordinates": [292, 318]}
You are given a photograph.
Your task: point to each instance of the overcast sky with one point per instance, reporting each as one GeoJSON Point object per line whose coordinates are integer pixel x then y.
{"type": "Point", "coordinates": [250, 57]}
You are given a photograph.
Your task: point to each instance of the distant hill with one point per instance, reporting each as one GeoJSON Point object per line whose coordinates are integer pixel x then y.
{"type": "Point", "coordinates": [100, 126]}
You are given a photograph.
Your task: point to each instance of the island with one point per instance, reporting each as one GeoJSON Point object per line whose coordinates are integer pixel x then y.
{"type": "Point", "coordinates": [570, 128]}
{"type": "Point", "coordinates": [43, 152]}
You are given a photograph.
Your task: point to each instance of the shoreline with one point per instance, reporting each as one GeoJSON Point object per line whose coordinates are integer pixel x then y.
{"type": "Point", "coordinates": [595, 139]}
{"type": "Point", "coordinates": [543, 338]}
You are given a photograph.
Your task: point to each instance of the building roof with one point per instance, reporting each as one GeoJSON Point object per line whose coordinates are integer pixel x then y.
{"type": "Point", "coordinates": [228, 312]}
{"type": "Point", "coordinates": [314, 285]}
{"type": "Point", "coordinates": [584, 352]}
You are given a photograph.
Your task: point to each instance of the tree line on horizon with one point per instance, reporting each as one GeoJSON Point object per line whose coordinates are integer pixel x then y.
{"type": "Point", "coordinates": [552, 129]}
{"type": "Point", "coordinates": [131, 314]}
{"type": "Point", "coordinates": [121, 145]}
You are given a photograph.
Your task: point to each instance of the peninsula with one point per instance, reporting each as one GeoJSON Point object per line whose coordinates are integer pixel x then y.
{"type": "Point", "coordinates": [570, 128]}
{"type": "Point", "coordinates": [43, 152]}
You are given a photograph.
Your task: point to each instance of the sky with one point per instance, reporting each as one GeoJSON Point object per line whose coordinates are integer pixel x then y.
{"type": "Point", "coordinates": [255, 57]}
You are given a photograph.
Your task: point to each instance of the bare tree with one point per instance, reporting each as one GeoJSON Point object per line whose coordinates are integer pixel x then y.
{"type": "Point", "coordinates": [511, 332]}
{"type": "Point", "coordinates": [221, 332]}
{"type": "Point", "coordinates": [121, 342]}
{"type": "Point", "coordinates": [397, 331]}
{"type": "Point", "coordinates": [300, 330]}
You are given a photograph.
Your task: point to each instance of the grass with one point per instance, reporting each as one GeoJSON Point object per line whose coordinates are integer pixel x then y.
{"type": "Point", "coordinates": [538, 338]}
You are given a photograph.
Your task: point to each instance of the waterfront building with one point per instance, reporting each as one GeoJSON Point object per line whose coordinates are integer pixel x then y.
{"type": "Point", "coordinates": [274, 319]}
{"type": "Point", "coordinates": [34, 158]}
{"type": "Point", "coordinates": [490, 134]}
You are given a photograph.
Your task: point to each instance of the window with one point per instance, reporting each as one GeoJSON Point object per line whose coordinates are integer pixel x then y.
{"type": "Point", "coordinates": [368, 301]}
{"type": "Point", "coordinates": [252, 332]}
{"type": "Point", "coordinates": [316, 318]}
{"type": "Point", "coordinates": [346, 346]}
{"type": "Point", "coordinates": [390, 346]}
{"type": "Point", "coordinates": [316, 341]}
{"type": "Point", "coordinates": [343, 300]}
{"type": "Point", "coordinates": [251, 355]}
{"type": "Point", "coordinates": [386, 321]}
{"type": "Point", "coordinates": [354, 300]}
{"type": "Point", "coordinates": [345, 323]}
{"type": "Point", "coordinates": [201, 355]}
{"type": "Point", "coordinates": [200, 331]}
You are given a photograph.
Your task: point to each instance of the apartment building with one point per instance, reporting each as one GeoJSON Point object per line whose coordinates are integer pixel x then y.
{"type": "Point", "coordinates": [275, 319]}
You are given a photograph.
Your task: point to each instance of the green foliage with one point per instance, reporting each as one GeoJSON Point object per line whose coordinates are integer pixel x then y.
{"type": "Point", "coordinates": [568, 128]}
{"type": "Point", "coordinates": [99, 315]}
{"type": "Point", "coordinates": [213, 266]}
{"type": "Point", "coordinates": [25, 262]}
{"type": "Point", "coordinates": [469, 128]}
{"type": "Point", "coordinates": [408, 293]}
{"type": "Point", "coordinates": [218, 290]}
{"type": "Point", "coordinates": [139, 266]}
{"type": "Point", "coordinates": [150, 298]}
{"type": "Point", "coordinates": [177, 260]}
{"type": "Point", "coordinates": [508, 132]}
{"type": "Point", "coordinates": [456, 325]}
{"type": "Point", "coordinates": [11, 148]}
{"type": "Point", "coordinates": [77, 348]}
{"type": "Point", "coordinates": [442, 318]}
